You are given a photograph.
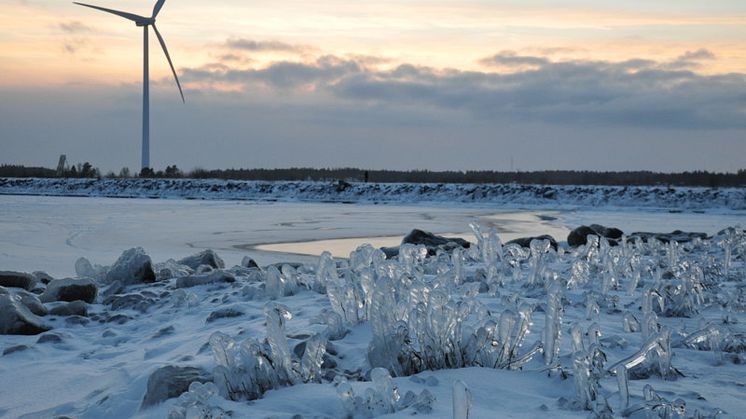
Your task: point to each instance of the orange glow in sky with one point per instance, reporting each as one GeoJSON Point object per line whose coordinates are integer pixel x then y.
{"type": "Point", "coordinates": [48, 42]}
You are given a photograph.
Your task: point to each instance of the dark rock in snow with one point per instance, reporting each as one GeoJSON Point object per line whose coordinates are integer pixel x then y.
{"type": "Point", "coordinates": [526, 241]}
{"type": "Point", "coordinates": [70, 290]}
{"type": "Point", "coordinates": [44, 277]}
{"type": "Point", "coordinates": [115, 288]}
{"type": "Point", "coordinates": [32, 302]}
{"type": "Point", "coordinates": [168, 330]}
{"type": "Point", "coordinates": [15, 348]}
{"type": "Point", "coordinates": [130, 301]}
{"type": "Point", "coordinates": [118, 319]}
{"type": "Point", "coordinates": [16, 319]}
{"type": "Point", "coordinates": [578, 236]}
{"type": "Point", "coordinates": [224, 313]}
{"type": "Point", "coordinates": [49, 338]}
{"type": "Point", "coordinates": [171, 381]}
{"type": "Point", "coordinates": [206, 257]}
{"type": "Point", "coordinates": [74, 308]}
{"type": "Point", "coordinates": [248, 262]}
{"type": "Point", "coordinates": [676, 235]}
{"type": "Point", "coordinates": [133, 267]}
{"type": "Point", "coordinates": [77, 320]}
{"type": "Point", "coordinates": [17, 280]}
{"type": "Point", "coordinates": [342, 186]}
{"type": "Point", "coordinates": [433, 242]}
{"type": "Point", "coordinates": [204, 279]}
{"type": "Point", "coordinates": [390, 252]}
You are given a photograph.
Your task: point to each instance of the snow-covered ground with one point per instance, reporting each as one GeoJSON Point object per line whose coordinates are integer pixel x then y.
{"type": "Point", "coordinates": [99, 366]}
{"type": "Point", "coordinates": [500, 195]}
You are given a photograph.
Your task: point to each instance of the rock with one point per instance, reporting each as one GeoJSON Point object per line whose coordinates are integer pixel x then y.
{"type": "Point", "coordinates": [171, 381]}
{"type": "Point", "coordinates": [133, 267]}
{"type": "Point", "coordinates": [390, 252]}
{"type": "Point", "coordinates": [115, 288]}
{"type": "Point", "coordinates": [49, 338]}
{"type": "Point", "coordinates": [32, 302]}
{"type": "Point", "coordinates": [676, 235]}
{"type": "Point", "coordinates": [16, 319]}
{"type": "Point", "coordinates": [526, 241]}
{"type": "Point", "coordinates": [248, 262]}
{"type": "Point", "coordinates": [118, 319]}
{"type": "Point", "coordinates": [130, 301]}
{"type": "Point", "coordinates": [224, 313]}
{"type": "Point", "coordinates": [15, 348]}
{"type": "Point", "coordinates": [44, 277]}
{"type": "Point", "coordinates": [165, 331]}
{"type": "Point", "coordinates": [74, 308]}
{"type": "Point", "coordinates": [204, 279]}
{"type": "Point", "coordinates": [578, 236]}
{"type": "Point", "coordinates": [12, 279]}
{"type": "Point", "coordinates": [433, 242]}
{"type": "Point", "coordinates": [77, 320]}
{"type": "Point", "coordinates": [70, 290]}
{"type": "Point", "coordinates": [205, 257]}
{"type": "Point", "coordinates": [342, 186]}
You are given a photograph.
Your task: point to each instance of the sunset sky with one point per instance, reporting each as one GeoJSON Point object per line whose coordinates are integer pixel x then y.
{"type": "Point", "coordinates": [418, 84]}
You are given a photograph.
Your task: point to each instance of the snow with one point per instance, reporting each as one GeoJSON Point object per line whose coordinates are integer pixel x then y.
{"type": "Point", "coordinates": [500, 195]}
{"type": "Point", "coordinates": [101, 369]}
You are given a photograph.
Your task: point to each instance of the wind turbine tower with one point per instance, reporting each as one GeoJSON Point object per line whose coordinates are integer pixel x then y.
{"type": "Point", "coordinates": [145, 22]}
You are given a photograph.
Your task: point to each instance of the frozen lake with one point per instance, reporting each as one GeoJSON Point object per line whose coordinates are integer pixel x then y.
{"type": "Point", "coordinates": [50, 233]}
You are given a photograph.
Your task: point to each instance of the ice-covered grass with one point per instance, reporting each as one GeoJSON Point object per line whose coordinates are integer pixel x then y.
{"type": "Point", "coordinates": [643, 328]}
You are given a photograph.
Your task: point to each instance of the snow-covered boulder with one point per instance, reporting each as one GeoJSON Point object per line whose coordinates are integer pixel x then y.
{"type": "Point", "coordinates": [32, 302]}
{"type": "Point", "coordinates": [171, 381]}
{"type": "Point", "coordinates": [206, 257]}
{"type": "Point", "coordinates": [17, 319]}
{"type": "Point", "coordinates": [70, 290]}
{"type": "Point", "coordinates": [17, 280]}
{"type": "Point", "coordinates": [579, 236]}
{"type": "Point", "coordinates": [133, 267]}
{"type": "Point", "coordinates": [204, 279]}
{"type": "Point", "coordinates": [433, 242]}
{"type": "Point", "coordinates": [248, 262]}
{"type": "Point", "coordinates": [74, 308]}
{"type": "Point", "coordinates": [526, 241]}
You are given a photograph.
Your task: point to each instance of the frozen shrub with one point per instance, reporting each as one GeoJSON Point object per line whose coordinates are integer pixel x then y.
{"type": "Point", "coordinates": [199, 402]}
{"type": "Point", "coordinates": [246, 371]}
{"type": "Point", "coordinates": [654, 357]}
{"type": "Point", "coordinates": [383, 398]}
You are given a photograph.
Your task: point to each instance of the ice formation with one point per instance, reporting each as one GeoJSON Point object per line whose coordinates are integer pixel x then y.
{"type": "Point", "coordinates": [247, 370]}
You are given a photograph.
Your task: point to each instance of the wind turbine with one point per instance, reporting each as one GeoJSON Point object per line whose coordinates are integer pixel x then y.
{"type": "Point", "coordinates": [145, 22]}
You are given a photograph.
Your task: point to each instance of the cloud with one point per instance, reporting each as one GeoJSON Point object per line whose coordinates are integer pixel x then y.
{"type": "Point", "coordinates": [512, 59]}
{"type": "Point", "coordinates": [633, 93]}
{"type": "Point", "coordinates": [75, 27]}
{"type": "Point", "coordinates": [700, 54]}
{"type": "Point", "coordinates": [264, 46]}
{"type": "Point", "coordinates": [691, 59]}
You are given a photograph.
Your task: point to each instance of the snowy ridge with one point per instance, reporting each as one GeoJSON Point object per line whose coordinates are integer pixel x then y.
{"type": "Point", "coordinates": [505, 195]}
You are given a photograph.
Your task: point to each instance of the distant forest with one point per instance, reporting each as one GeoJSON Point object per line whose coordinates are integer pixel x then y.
{"type": "Point", "coordinates": [545, 177]}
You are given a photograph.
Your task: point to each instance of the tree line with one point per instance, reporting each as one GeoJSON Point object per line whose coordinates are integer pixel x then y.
{"type": "Point", "coordinates": [553, 177]}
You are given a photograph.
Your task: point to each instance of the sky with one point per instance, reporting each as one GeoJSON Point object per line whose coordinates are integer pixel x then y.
{"type": "Point", "coordinates": [405, 84]}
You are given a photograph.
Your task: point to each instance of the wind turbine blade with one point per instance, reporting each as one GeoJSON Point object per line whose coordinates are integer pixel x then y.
{"type": "Point", "coordinates": [157, 7]}
{"type": "Point", "coordinates": [133, 17]}
{"type": "Point", "coordinates": [168, 57]}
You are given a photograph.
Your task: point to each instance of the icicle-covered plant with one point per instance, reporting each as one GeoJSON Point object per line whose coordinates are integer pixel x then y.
{"type": "Point", "coordinates": [247, 370]}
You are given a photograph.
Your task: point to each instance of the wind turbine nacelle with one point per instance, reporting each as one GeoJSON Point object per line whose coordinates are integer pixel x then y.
{"type": "Point", "coordinates": [145, 22]}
